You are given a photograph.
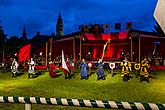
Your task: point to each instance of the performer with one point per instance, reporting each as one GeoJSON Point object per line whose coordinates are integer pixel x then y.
{"type": "Point", "coordinates": [83, 70]}
{"type": "Point", "coordinates": [67, 73]}
{"type": "Point", "coordinates": [126, 67]}
{"type": "Point", "coordinates": [52, 73]}
{"type": "Point", "coordinates": [14, 68]}
{"type": "Point", "coordinates": [31, 70]}
{"type": "Point", "coordinates": [144, 74]}
{"type": "Point", "coordinates": [100, 71]}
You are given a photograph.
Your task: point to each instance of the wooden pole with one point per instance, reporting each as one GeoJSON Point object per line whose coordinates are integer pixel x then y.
{"type": "Point", "coordinates": [139, 49]}
{"type": "Point", "coordinates": [131, 50]}
{"type": "Point", "coordinates": [74, 54]}
{"type": "Point", "coordinates": [80, 48]}
{"type": "Point", "coordinates": [28, 106]}
{"type": "Point", "coordinates": [46, 54]}
{"type": "Point", "coordinates": [51, 49]}
{"type": "Point", "coordinates": [111, 72]}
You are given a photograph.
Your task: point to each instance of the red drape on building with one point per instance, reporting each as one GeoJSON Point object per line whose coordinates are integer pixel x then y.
{"type": "Point", "coordinates": [113, 51]}
{"type": "Point", "coordinates": [105, 36]}
{"type": "Point", "coordinates": [94, 52]}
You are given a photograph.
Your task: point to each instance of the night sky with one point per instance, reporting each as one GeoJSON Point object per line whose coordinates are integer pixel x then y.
{"type": "Point", "coordinates": [41, 15]}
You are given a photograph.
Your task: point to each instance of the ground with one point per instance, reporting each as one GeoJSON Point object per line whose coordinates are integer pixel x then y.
{"type": "Point", "coordinates": [113, 88]}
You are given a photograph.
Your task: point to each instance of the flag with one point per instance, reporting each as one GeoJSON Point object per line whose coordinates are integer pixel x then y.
{"type": "Point", "coordinates": [128, 25]}
{"type": "Point", "coordinates": [63, 62]}
{"type": "Point", "coordinates": [105, 47]}
{"type": "Point", "coordinates": [159, 14]}
{"type": "Point", "coordinates": [117, 26]}
{"type": "Point", "coordinates": [24, 53]}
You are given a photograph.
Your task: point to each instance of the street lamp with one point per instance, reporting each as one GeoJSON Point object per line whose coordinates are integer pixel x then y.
{"type": "Point", "coordinates": [89, 54]}
{"type": "Point", "coordinates": [41, 57]}
{"type": "Point", "coordinates": [50, 56]}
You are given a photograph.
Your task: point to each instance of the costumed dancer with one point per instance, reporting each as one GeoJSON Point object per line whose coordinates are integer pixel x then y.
{"type": "Point", "coordinates": [52, 73]}
{"type": "Point", "coordinates": [31, 70]}
{"type": "Point", "coordinates": [14, 68]}
{"type": "Point", "coordinates": [66, 72]}
{"type": "Point", "coordinates": [100, 71]}
{"type": "Point", "coordinates": [126, 67]}
{"type": "Point", "coordinates": [144, 74]}
{"type": "Point", "coordinates": [83, 70]}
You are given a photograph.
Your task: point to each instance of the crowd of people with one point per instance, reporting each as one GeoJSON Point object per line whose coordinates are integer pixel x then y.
{"type": "Point", "coordinates": [143, 69]}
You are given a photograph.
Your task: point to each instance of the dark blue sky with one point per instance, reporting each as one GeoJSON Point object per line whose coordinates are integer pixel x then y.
{"type": "Point", "coordinates": [41, 15]}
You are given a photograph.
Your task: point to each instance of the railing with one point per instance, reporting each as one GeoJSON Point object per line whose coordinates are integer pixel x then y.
{"type": "Point", "coordinates": [28, 101]}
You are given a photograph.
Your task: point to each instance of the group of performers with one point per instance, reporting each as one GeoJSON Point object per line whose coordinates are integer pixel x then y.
{"type": "Point", "coordinates": [31, 68]}
{"type": "Point", "coordinates": [141, 68]}
{"type": "Point", "coordinates": [67, 73]}
{"type": "Point", "coordinates": [100, 70]}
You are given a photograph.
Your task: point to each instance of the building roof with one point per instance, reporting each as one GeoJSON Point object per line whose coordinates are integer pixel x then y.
{"type": "Point", "coordinates": [147, 33]}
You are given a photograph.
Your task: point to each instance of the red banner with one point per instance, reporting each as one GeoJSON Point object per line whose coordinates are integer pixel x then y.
{"type": "Point", "coordinates": [24, 53]}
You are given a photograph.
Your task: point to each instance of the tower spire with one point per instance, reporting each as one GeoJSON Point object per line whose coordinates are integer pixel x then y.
{"type": "Point", "coordinates": [24, 34]}
{"type": "Point", "coordinates": [59, 26]}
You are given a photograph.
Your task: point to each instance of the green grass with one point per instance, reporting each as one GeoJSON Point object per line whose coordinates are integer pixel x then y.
{"type": "Point", "coordinates": [113, 88]}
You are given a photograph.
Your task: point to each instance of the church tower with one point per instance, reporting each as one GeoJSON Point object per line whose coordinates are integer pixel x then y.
{"type": "Point", "coordinates": [24, 34]}
{"type": "Point", "coordinates": [59, 27]}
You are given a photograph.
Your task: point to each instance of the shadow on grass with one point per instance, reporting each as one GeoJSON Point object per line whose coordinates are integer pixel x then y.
{"type": "Point", "coordinates": [19, 74]}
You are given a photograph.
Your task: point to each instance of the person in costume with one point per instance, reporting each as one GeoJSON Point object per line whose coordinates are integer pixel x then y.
{"type": "Point", "coordinates": [83, 70]}
{"type": "Point", "coordinates": [52, 67]}
{"type": "Point", "coordinates": [144, 73]}
{"type": "Point", "coordinates": [14, 68]}
{"type": "Point", "coordinates": [126, 67]}
{"type": "Point", "coordinates": [100, 71]}
{"type": "Point", "coordinates": [31, 70]}
{"type": "Point", "coordinates": [66, 72]}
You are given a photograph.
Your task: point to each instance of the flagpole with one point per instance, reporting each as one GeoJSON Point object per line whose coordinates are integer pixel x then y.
{"type": "Point", "coordinates": [104, 48]}
{"type": "Point", "coordinates": [46, 54]}
{"type": "Point", "coordinates": [50, 49]}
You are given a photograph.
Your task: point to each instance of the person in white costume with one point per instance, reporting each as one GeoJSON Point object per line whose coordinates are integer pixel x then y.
{"type": "Point", "coordinates": [14, 68]}
{"type": "Point", "coordinates": [31, 70]}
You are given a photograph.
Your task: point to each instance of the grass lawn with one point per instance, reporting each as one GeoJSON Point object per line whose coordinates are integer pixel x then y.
{"type": "Point", "coordinates": [113, 88]}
